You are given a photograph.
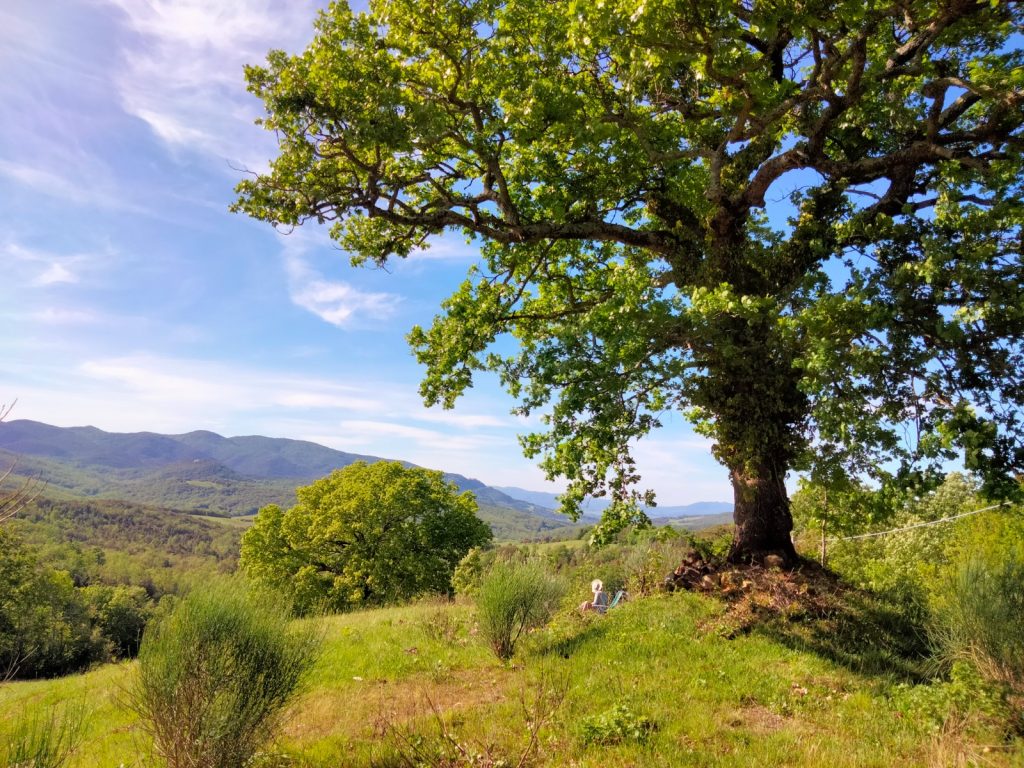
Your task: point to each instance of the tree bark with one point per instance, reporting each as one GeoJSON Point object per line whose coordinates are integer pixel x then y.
{"type": "Point", "coordinates": [762, 517]}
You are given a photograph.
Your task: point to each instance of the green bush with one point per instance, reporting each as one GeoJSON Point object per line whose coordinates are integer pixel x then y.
{"type": "Point", "coordinates": [977, 617]}
{"type": "Point", "coordinates": [712, 544]}
{"type": "Point", "coordinates": [514, 598]}
{"type": "Point", "coordinates": [470, 570]}
{"type": "Point", "coordinates": [615, 726]}
{"type": "Point", "coordinates": [216, 675]}
{"type": "Point", "coordinates": [964, 697]}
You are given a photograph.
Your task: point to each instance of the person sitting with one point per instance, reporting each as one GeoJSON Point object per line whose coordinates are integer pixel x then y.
{"type": "Point", "coordinates": [600, 601]}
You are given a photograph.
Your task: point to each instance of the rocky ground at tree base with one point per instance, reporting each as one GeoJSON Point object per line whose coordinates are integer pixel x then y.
{"type": "Point", "coordinates": [755, 594]}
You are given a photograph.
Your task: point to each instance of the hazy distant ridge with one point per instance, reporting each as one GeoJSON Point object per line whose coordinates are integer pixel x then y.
{"type": "Point", "coordinates": [206, 472]}
{"type": "Point", "coordinates": [198, 470]}
{"type": "Point", "coordinates": [594, 507]}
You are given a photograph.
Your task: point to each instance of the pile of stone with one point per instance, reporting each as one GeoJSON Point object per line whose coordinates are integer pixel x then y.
{"type": "Point", "coordinates": [693, 573]}
{"type": "Point", "coordinates": [696, 574]}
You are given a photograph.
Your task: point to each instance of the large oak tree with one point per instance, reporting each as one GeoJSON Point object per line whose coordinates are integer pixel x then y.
{"type": "Point", "coordinates": [616, 161]}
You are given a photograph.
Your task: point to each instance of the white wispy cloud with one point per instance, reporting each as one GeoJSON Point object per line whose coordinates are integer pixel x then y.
{"type": "Point", "coordinates": [681, 469]}
{"type": "Point", "coordinates": [182, 71]}
{"type": "Point", "coordinates": [56, 273]}
{"type": "Point", "coordinates": [41, 268]}
{"type": "Point", "coordinates": [75, 178]}
{"type": "Point", "coordinates": [172, 394]}
{"type": "Point", "coordinates": [201, 387]}
{"type": "Point", "coordinates": [330, 400]}
{"type": "Point", "coordinates": [149, 392]}
{"type": "Point", "coordinates": [447, 247]}
{"type": "Point", "coordinates": [464, 420]}
{"type": "Point", "coordinates": [67, 316]}
{"type": "Point", "coordinates": [413, 439]}
{"type": "Point", "coordinates": [60, 117]}
{"type": "Point", "coordinates": [340, 304]}
{"type": "Point", "coordinates": [333, 301]}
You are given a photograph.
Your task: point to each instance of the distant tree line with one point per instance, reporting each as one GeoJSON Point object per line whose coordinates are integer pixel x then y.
{"type": "Point", "coordinates": [79, 580]}
{"type": "Point", "coordinates": [49, 626]}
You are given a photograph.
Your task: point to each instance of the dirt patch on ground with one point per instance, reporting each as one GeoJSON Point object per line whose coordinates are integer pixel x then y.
{"type": "Point", "coordinates": [757, 719]}
{"type": "Point", "coordinates": [360, 710]}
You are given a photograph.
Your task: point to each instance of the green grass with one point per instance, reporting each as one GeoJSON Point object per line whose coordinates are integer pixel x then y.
{"type": "Point", "coordinates": [388, 674]}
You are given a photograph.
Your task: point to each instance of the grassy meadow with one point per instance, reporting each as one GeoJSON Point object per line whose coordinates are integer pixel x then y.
{"type": "Point", "coordinates": [667, 680]}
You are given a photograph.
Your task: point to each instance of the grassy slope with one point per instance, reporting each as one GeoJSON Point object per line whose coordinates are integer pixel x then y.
{"type": "Point", "coordinates": [716, 701]}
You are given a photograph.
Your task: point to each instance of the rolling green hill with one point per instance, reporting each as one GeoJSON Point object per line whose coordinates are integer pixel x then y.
{"type": "Point", "coordinates": [205, 473]}
{"type": "Point", "coordinates": [210, 489]}
{"type": "Point", "coordinates": [100, 541]}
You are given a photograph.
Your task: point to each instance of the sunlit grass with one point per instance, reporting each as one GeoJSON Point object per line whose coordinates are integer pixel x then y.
{"type": "Point", "coordinates": [714, 701]}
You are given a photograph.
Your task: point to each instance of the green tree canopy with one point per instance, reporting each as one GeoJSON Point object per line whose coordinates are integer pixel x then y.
{"type": "Point", "coordinates": [614, 161]}
{"type": "Point", "coordinates": [44, 621]}
{"type": "Point", "coordinates": [368, 534]}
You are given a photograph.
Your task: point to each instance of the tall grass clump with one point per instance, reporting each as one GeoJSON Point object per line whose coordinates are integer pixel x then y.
{"type": "Point", "coordinates": [978, 617]}
{"type": "Point", "coordinates": [514, 598]}
{"type": "Point", "coordinates": [216, 676]}
{"type": "Point", "coordinates": [43, 741]}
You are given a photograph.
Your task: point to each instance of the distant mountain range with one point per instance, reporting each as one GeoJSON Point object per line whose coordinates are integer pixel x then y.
{"type": "Point", "coordinates": [594, 507]}
{"type": "Point", "coordinates": [206, 473]}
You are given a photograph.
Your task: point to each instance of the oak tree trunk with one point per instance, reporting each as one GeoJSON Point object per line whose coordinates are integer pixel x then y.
{"type": "Point", "coordinates": [763, 520]}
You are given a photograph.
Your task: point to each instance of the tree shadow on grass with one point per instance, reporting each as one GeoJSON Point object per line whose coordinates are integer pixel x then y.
{"type": "Point", "coordinates": [563, 642]}
{"type": "Point", "coordinates": [863, 634]}
{"type": "Point", "coordinates": [812, 610]}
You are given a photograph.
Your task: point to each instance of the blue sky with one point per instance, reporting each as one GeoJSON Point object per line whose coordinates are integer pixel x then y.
{"type": "Point", "coordinates": [132, 300]}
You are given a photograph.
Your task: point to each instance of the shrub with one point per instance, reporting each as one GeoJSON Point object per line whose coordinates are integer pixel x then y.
{"type": "Point", "coordinates": [514, 598]}
{"type": "Point", "coordinates": [713, 543]}
{"type": "Point", "coordinates": [615, 726]}
{"type": "Point", "coordinates": [964, 698]}
{"type": "Point", "coordinates": [216, 675]}
{"type": "Point", "coordinates": [469, 572]}
{"type": "Point", "coordinates": [977, 617]}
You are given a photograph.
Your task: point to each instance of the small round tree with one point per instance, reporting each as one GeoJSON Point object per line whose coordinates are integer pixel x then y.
{"type": "Point", "coordinates": [368, 534]}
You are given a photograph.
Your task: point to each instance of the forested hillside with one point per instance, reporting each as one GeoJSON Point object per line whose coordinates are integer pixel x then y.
{"type": "Point", "coordinates": [117, 542]}
{"type": "Point", "coordinates": [213, 475]}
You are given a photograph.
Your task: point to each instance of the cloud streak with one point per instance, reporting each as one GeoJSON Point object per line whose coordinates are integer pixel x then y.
{"type": "Point", "coordinates": [89, 185]}
{"type": "Point", "coordinates": [38, 268]}
{"type": "Point", "coordinates": [166, 394]}
{"type": "Point", "coordinates": [182, 70]}
{"type": "Point", "coordinates": [340, 304]}
{"type": "Point", "coordinates": [336, 302]}
{"type": "Point", "coordinates": [67, 316]}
